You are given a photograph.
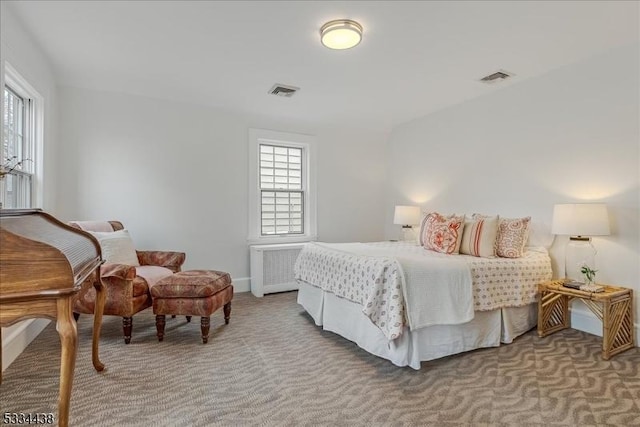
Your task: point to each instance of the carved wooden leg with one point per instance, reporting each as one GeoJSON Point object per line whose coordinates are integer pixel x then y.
{"type": "Point", "coordinates": [204, 328]}
{"type": "Point", "coordinates": [127, 324]}
{"type": "Point", "coordinates": [227, 312]}
{"type": "Point", "coordinates": [188, 319]}
{"type": "Point", "coordinates": [76, 316]}
{"type": "Point", "coordinates": [160, 322]}
{"type": "Point", "coordinates": [101, 297]}
{"type": "Point", "coordinates": [69, 342]}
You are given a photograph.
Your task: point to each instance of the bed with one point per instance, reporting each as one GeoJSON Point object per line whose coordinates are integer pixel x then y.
{"type": "Point", "coordinates": [406, 304]}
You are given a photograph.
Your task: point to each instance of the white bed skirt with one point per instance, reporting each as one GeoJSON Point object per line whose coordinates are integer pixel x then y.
{"type": "Point", "coordinates": [345, 318]}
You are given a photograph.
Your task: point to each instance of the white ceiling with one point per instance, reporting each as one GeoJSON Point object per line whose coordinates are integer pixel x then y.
{"type": "Point", "coordinates": [415, 57]}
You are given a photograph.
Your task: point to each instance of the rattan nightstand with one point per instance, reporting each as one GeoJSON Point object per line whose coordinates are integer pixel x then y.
{"type": "Point", "coordinates": [613, 307]}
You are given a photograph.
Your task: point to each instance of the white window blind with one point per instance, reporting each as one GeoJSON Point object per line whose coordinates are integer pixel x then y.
{"type": "Point", "coordinates": [282, 190]}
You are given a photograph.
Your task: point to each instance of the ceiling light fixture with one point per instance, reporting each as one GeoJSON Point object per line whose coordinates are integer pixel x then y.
{"type": "Point", "coordinates": [341, 34]}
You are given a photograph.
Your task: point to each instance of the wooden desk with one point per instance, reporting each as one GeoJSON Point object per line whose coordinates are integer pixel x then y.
{"type": "Point", "coordinates": [43, 265]}
{"type": "Point", "coordinates": [614, 307]}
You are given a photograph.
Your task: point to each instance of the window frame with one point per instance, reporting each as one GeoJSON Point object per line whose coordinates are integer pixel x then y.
{"type": "Point", "coordinates": [277, 193]}
{"type": "Point", "coordinates": [33, 132]}
{"type": "Point", "coordinates": [259, 137]}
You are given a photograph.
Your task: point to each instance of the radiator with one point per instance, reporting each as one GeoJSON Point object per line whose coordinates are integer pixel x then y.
{"type": "Point", "coordinates": [272, 267]}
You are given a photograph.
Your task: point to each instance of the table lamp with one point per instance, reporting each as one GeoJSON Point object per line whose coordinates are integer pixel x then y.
{"type": "Point", "coordinates": [407, 216]}
{"type": "Point", "coordinates": [580, 221]}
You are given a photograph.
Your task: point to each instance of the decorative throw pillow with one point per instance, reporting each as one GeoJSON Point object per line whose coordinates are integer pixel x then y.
{"type": "Point", "coordinates": [479, 236]}
{"type": "Point", "coordinates": [512, 236]}
{"type": "Point", "coordinates": [423, 222]}
{"type": "Point", "coordinates": [117, 247]}
{"type": "Point", "coordinates": [442, 234]}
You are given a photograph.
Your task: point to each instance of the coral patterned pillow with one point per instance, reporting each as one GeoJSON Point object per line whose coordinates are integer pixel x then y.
{"type": "Point", "coordinates": [512, 236]}
{"type": "Point", "coordinates": [479, 236]}
{"type": "Point", "coordinates": [442, 234]}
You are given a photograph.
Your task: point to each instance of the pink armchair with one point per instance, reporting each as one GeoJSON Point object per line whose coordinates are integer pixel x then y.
{"type": "Point", "coordinates": [127, 286]}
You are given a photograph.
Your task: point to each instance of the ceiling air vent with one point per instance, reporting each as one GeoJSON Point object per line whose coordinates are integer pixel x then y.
{"type": "Point", "coordinates": [283, 90]}
{"type": "Point", "coordinates": [498, 76]}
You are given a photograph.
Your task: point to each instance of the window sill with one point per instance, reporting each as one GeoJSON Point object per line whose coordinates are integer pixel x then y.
{"type": "Point", "coordinates": [282, 239]}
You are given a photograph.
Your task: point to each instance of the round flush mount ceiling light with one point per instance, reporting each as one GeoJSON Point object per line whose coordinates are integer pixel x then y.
{"type": "Point", "coordinates": [341, 34]}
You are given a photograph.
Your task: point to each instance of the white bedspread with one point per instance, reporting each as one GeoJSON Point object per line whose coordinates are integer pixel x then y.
{"type": "Point", "coordinates": [437, 291]}
{"type": "Point", "coordinates": [382, 276]}
{"type": "Point", "coordinates": [497, 282]}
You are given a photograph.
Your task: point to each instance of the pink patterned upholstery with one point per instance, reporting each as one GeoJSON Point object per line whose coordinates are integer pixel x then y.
{"type": "Point", "coordinates": [191, 284]}
{"type": "Point", "coordinates": [193, 306]}
{"type": "Point", "coordinates": [127, 292]}
{"type": "Point", "coordinates": [171, 260]}
{"type": "Point", "coordinates": [192, 293]}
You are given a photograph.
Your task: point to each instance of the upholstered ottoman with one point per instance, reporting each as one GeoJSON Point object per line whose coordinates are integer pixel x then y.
{"type": "Point", "coordinates": [192, 293]}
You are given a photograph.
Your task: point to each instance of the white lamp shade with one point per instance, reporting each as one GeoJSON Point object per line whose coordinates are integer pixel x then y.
{"type": "Point", "coordinates": [406, 215]}
{"type": "Point", "coordinates": [580, 219]}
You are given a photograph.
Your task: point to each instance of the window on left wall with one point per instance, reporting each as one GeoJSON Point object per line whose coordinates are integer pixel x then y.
{"type": "Point", "coordinates": [20, 142]}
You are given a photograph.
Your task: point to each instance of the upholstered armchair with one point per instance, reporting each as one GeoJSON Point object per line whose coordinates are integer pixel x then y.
{"type": "Point", "coordinates": [127, 285]}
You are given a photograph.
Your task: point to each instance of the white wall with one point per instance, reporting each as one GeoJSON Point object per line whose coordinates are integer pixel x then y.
{"type": "Point", "coordinates": [17, 49]}
{"type": "Point", "coordinates": [176, 175]}
{"type": "Point", "coordinates": [27, 59]}
{"type": "Point", "coordinates": [571, 135]}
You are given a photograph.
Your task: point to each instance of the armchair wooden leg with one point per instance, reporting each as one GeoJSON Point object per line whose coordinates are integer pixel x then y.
{"type": "Point", "coordinates": [188, 319]}
{"type": "Point", "coordinates": [76, 316]}
{"type": "Point", "coordinates": [227, 312]}
{"type": "Point", "coordinates": [127, 324]}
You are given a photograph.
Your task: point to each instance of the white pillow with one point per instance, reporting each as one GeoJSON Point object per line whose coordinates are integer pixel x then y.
{"type": "Point", "coordinates": [479, 236]}
{"type": "Point", "coordinates": [540, 235]}
{"type": "Point", "coordinates": [117, 247]}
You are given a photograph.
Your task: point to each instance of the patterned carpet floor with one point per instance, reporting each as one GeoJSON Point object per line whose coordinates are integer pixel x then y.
{"type": "Point", "coordinates": [271, 366]}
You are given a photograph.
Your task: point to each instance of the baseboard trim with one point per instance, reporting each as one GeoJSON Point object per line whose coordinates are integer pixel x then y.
{"type": "Point", "coordinates": [19, 338]}
{"type": "Point", "coordinates": [584, 320]}
{"type": "Point", "coordinates": [242, 284]}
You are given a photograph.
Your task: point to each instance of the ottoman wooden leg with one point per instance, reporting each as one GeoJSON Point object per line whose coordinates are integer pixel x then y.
{"type": "Point", "coordinates": [227, 312]}
{"type": "Point", "coordinates": [204, 327]}
{"type": "Point", "coordinates": [160, 321]}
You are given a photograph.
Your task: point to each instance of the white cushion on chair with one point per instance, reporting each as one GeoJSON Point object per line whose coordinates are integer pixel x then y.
{"type": "Point", "coordinates": [153, 273]}
{"type": "Point", "coordinates": [117, 247]}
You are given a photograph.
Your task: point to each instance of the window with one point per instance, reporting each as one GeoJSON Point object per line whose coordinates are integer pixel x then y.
{"type": "Point", "coordinates": [281, 190]}
{"type": "Point", "coordinates": [15, 153]}
{"type": "Point", "coordinates": [282, 210]}
{"type": "Point", "coordinates": [19, 143]}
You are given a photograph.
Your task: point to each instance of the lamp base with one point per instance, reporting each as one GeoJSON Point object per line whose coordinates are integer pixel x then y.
{"type": "Point", "coordinates": [408, 234]}
{"type": "Point", "coordinates": [579, 252]}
